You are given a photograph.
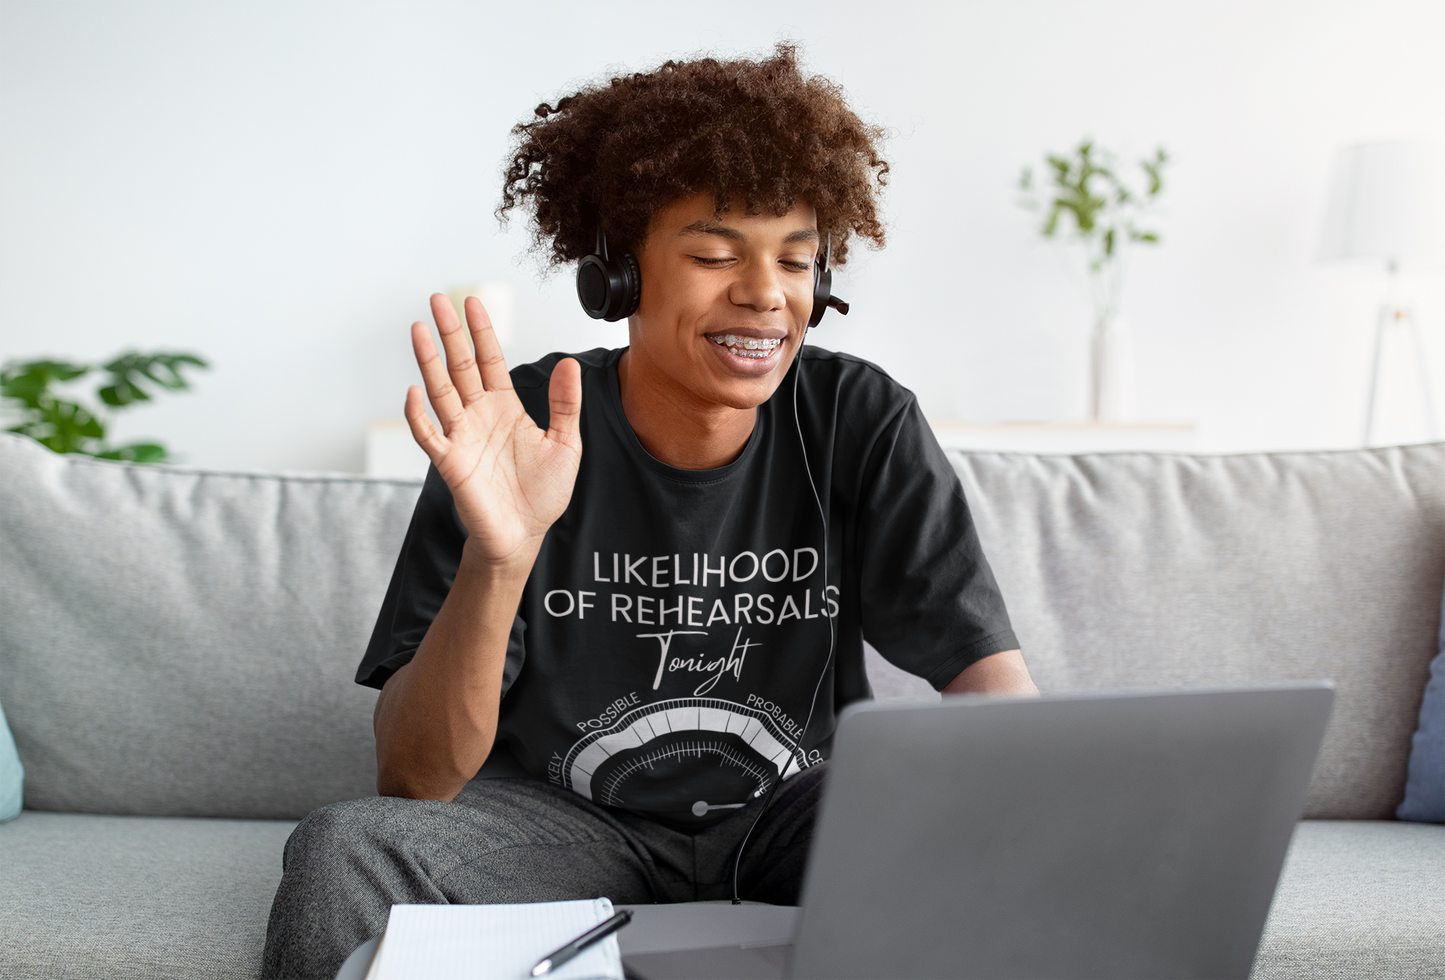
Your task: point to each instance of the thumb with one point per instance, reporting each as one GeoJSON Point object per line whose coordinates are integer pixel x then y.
{"type": "Point", "coordinates": [564, 403]}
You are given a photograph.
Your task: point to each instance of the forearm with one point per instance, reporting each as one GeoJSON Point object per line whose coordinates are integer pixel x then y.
{"type": "Point", "coordinates": [1001, 673]}
{"type": "Point", "coordinates": [436, 718]}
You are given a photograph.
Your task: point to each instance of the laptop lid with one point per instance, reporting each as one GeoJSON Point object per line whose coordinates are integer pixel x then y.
{"type": "Point", "coordinates": [1084, 835]}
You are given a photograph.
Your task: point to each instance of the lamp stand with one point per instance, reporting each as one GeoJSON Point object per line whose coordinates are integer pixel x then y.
{"type": "Point", "coordinates": [1391, 314]}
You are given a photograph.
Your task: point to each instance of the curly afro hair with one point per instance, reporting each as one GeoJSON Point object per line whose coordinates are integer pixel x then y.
{"type": "Point", "coordinates": [759, 132]}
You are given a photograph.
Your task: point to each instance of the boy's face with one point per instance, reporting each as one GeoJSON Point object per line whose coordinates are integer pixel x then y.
{"type": "Point", "coordinates": [725, 300]}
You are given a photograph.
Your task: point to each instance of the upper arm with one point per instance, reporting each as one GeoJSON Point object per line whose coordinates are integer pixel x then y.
{"type": "Point", "coordinates": [425, 569]}
{"type": "Point", "coordinates": [931, 605]}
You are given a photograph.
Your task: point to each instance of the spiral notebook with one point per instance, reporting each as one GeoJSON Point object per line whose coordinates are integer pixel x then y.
{"type": "Point", "coordinates": [493, 942]}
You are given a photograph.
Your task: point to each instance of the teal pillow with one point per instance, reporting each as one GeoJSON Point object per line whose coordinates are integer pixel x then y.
{"type": "Point", "coordinates": [12, 773]}
{"type": "Point", "coordinates": [1425, 785]}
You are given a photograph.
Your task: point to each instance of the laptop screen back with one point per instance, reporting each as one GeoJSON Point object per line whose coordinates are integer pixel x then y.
{"type": "Point", "coordinates": [1135, 835]}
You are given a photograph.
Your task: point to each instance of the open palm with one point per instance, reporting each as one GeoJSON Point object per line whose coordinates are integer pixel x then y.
{"type": "Point", "coordinates": [509, 480]}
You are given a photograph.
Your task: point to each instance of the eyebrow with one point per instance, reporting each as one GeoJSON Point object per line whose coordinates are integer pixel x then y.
{"type": "Point", "coordinates": [723, 231]}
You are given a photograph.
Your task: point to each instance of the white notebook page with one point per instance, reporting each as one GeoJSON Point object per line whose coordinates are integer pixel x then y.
{"type": "Point", "coordinates": [493, 942]}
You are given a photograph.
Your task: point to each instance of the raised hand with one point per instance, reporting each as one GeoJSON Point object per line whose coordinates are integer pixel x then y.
{"type": "Point", "coordinates": [509, 480]}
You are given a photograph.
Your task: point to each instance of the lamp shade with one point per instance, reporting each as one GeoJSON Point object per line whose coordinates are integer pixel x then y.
{"type": "Point", "coordinates": [1384, 203]}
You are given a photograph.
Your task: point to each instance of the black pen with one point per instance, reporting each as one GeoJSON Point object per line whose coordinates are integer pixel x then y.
{"type": "Point", "coordinates": [596, 934]}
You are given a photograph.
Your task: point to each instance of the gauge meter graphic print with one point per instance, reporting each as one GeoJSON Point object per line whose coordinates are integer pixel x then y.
{"type": "Point", "coordinates": [688, 760]}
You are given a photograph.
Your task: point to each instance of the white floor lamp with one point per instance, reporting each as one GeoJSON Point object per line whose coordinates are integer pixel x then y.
{"type": "Point", "coordinates": [1384, 206]}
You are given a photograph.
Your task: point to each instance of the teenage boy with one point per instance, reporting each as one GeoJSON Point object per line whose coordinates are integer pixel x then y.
{"type": "Point", "coordinates": [637, 582]}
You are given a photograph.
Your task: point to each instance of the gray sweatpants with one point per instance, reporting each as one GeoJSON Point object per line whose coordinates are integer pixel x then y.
{"type": "Point", "coordinates": [514, 840]}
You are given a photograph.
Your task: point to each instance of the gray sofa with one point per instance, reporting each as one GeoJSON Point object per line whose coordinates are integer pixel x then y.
{"type": "Point", "coordinates": [177, 646]}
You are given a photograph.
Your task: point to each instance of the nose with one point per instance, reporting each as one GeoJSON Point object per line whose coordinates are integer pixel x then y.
{"type": "Point", "coordinates": [758, 286]}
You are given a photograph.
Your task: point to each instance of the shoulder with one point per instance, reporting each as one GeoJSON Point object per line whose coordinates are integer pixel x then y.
{"type": "Point", "coordinates": [531, 381]}
{"type": "Point", "coordinates": [538, 373]}
{"type": "Point", "coordinates": [867, 420]}
{"type": "Point", "coordinates": [857, 393]}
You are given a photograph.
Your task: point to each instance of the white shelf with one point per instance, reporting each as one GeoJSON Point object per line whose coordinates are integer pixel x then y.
{"type": "Point", "coordinates": [1067, 437]}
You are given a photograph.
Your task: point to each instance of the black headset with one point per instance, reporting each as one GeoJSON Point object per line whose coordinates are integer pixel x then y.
{"type": "Point", "coordinates": [610, 289]}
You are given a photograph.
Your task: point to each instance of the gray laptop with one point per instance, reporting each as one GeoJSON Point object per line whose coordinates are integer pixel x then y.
{"type": "Point", "coordinates": [1122, 835]}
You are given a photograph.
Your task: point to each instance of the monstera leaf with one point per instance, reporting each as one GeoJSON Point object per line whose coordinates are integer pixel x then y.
{"type": "Point", "coordinates": [65, 425]}
{"type": "Point", "coordinates": [131, 373]}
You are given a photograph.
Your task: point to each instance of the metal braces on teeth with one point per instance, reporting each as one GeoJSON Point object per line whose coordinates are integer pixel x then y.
{"type": "Point", "coordinates": [749, 343]}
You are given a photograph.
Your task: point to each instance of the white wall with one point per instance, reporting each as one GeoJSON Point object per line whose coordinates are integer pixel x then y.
{"type": "Point", "coordinates": [280, 186]}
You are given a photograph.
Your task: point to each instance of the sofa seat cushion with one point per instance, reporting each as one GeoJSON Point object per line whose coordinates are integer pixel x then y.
{"type": "Point", "coordinates": [1358, 898]}
{"type": "Point", "coordinates": [155, 897]}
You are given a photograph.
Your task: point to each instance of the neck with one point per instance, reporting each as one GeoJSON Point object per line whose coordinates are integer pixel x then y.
{"type": "Point", "coordinates": [675, 427]}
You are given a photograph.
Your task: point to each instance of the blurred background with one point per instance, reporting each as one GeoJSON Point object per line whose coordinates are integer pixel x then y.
{"type": "Point", "coordinates": [279, 186]}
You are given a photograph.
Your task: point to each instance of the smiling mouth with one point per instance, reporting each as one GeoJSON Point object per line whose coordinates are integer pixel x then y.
{"type": "Point", "coordinates": [754, 347]}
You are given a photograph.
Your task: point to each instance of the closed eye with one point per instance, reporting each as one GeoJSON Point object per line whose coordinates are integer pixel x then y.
{"type": "Point", "coordinates": [717, 263]}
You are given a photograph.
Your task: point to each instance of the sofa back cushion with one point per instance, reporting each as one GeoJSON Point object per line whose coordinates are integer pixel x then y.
{"type": "Point", "coordinates": [177, 642]}
{"type": "Point", "coordinates": [1139, 570]}
{"type": "Point", "coordinates": [181, 642]}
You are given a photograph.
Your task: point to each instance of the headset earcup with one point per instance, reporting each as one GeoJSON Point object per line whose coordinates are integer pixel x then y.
{"type": "Point", "coordinates": [630, 293]}
{"type": "Point", "coordinates": [609, 290]}
{"type": "Point", "coordinates": [822, 292]}
{"type": "Point", "coordinates": [593, 286]}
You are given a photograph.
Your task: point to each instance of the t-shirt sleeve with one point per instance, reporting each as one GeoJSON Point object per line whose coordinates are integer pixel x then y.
{"type": "Point", "coordinates": [930, 602]}
{"type": "Point", "coordinates": [423, 576]}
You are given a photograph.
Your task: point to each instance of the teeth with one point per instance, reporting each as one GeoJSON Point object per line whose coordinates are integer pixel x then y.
{"type": "Point", "coordinates": [747, 346]}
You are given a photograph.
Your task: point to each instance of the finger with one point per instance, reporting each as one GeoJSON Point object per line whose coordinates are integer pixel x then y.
{"type": "Point", "coordinates": [461, 365]}
{"type": "Point", "coordinates": [426, 435]}
{"type": "Point", "coordinates": [439, 389]}
{"type": "Point", "coordinates": [564, 402]}
{"type": "Point", "coordinates": [489, 348]}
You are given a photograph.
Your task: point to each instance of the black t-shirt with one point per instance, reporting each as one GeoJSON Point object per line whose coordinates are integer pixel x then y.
{"type": "Point", "coordinates": [675, 627]}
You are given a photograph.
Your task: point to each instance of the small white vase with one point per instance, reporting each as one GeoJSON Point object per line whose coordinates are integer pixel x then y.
{"type": "Point", "coordinates": [1111, 388]}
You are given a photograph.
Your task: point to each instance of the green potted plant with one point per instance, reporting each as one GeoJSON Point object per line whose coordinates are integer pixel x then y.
{"type": "Point", "coordinates": [1085, 201]}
